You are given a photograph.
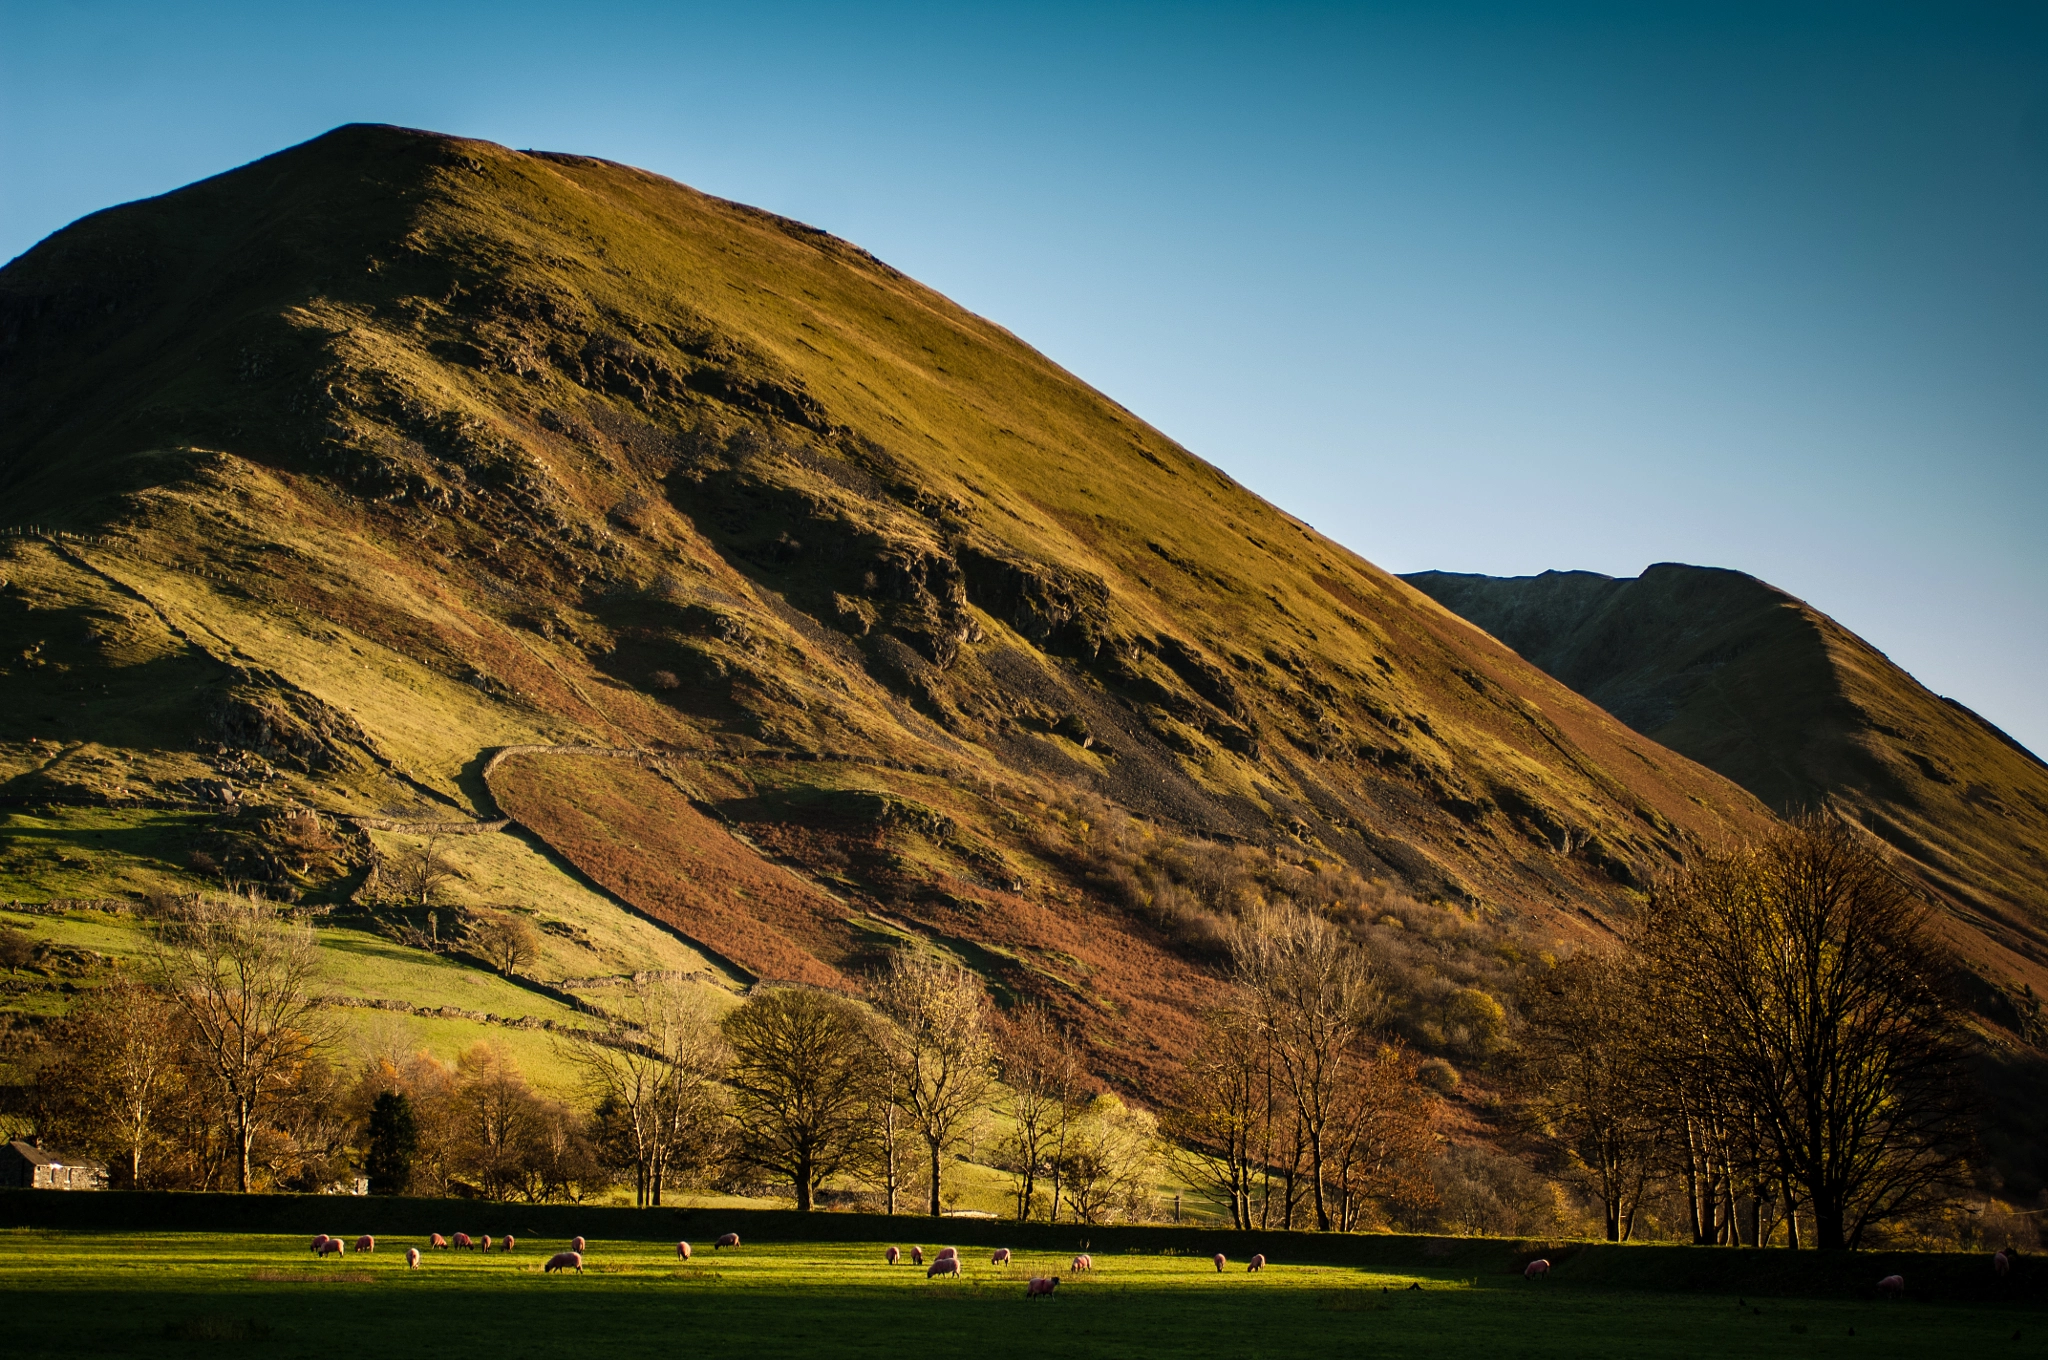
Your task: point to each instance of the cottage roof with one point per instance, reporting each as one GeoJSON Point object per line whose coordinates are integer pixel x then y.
{"type": "Point", "coordinates": [48, 1156]}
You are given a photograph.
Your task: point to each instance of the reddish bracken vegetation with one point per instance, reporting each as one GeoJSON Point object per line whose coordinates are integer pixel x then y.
{"type": "Point", "coordinates": [629, 829]}
{"type": "Point", "coordinates": [637, 835]}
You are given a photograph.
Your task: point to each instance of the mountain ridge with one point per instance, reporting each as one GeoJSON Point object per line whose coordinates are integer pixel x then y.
{"type": "Point", "coordinates": [1752, 681]}
{"type": "Point", "coordinates": [393, 449]}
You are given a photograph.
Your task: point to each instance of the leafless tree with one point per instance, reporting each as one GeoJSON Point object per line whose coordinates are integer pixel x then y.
{"type": "Point", "coordinates": [1109, 1160]}
{"type": "Point", "coordinates": [1381, 1135]}
{"type": "Point", "coordinates": [891, 1134]}
{"type": "Point", "coordinates": [940, 1051]}
{"type": "Point", "coordinates": [243, 976]}
{"type": "Point", "coordinates": [423, 872]}
{"type": "Point", "coordinates": [1314, 995]}
{"type": "Point", "coordinates": [1591, 1065]}
{"type": "Point", "coordinates": [126, 1050]}
{"type": "Point", "coordinates": [498, 1117]}
{"type": "Point", "coordinates": [1818, 987]}
{"type": "Point", "coordinates": [1219, 1125]}
{"type": "Point", "coordinates": [1042, 1067]}
{"type": "Point", "coordinates": [504, 939]}
{"type": "Point", "coordinates": [654, 1076]}
{"type": "Point", "coordinates": [804, 1073]}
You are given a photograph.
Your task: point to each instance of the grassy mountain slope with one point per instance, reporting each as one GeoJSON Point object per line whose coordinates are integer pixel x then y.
{"type": "Point", "coordinates": [330, 476]}
{"type": "Point", "coordinates": [1760, 686]}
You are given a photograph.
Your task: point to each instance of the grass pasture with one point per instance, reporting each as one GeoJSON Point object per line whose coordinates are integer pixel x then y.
{"type": "Point", "coordinates": [74, 1293]}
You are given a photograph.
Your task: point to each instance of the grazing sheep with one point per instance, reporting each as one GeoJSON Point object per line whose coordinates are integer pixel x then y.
{"type": "Point", "coordinates": [682, 1251]}
{"type": "Point", "coordinates": [462, 1241]}
{"type": "Point", "coordinates": [333, 1245]}
{"type": "Point", "coordinates": [729, 1240]}
{"type": "Point", "coordinates": [945, 1265]}
{"type": "Point", "coordinates": [484, 1243]}
{"type": "Point", "coordinates": [892, 1256]}
{"type": "Point", "coordinates": [944, 1252]}
{"type": "Point", "coordinates": [319, 1243]}
{"type": "Point", "coordinates": [1041, 1286]}
{"type": "Point", "coordinates": [917, 1256]}
{"type": "Point", "coordinates": [412, 1258]}
{"type": "Point", "coordinates": [1221, 1261]}
{"type": "Point", "coordinates": [366, 1243]}
{"type": "Point", "coordinates": [1258, 1263]}
{"type": "Point", "coordinates": [507, 1244]}
{"type": "Point", "coordinates": [1892, 1286]}
{"type": "Point", "coordinates": [436, 1240]}
{"type": "Point", "coordinates": [1535, 1269]}
{"type": "Point", "coordinates": [1082, 1262]}
{"type": "Point", "coordinates": [576, 1245]}
{"type": "Point", "coordinates": [564, 1260]}
{"type": "Point", "coordinates": [2000, 1262]}
{"type": "Point", "coordinates": [1001, 1258]}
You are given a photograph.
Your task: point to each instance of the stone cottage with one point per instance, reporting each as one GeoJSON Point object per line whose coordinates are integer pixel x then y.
{"type": "Point", "coordinates": [29, 1166]}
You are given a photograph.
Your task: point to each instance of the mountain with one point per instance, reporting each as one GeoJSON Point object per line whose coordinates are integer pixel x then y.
{"type": "Point", "coordinates": [770, 595]}
{"type": "Point", "coordinates": [1774, 694]}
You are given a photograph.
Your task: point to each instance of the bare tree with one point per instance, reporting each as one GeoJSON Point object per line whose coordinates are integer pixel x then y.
{"type": "Point", "coordinates": [504, 939]}
{"type": "Point", "coordinates": [1382, 1135]}
{"type": "Point", "coordinates": [497, 1119]}
{"type": "Point", "coordinates": [1220, 1122]}
{"type": "Point", "coordinates": [891, 1132]}
{"type": "Point", "coordinates": [1595, 1076]}
{"type": "Point", "coordinates": [1042, 1067]}
{"type": "Point", "coordinates": [126, 1046]}
{"type": "Point", "coordinates": [1109, 1160]}
{"type": "Point", "coordinates": [1817, 982]}
{"type": "Point", "coordinates": [653, 1076]}
{"type": "Point", "coordinates": [243, 977]}
{"type": "Point", "coordinates": [423, 872]}
{"type": "Point", "coordinates": [1314, 994]}
{"type": "Point", "coordinates": [805, 1065]}
{"type": "Point", "coordinates": [942, 1057]}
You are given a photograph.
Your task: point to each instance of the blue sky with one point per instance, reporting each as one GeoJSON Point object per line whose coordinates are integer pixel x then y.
{"type": "Point", "coordinates": [1482, 288]}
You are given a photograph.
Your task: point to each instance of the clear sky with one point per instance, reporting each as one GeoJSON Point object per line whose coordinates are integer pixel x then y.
{"type": "Point", "coordinates": [1485, 288]}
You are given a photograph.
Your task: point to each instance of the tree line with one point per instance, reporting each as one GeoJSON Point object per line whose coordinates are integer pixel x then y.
{"type": "Point", "coordinates": [1769, 1044]}
{"type": "Point", "coordinates": [214, 1066]}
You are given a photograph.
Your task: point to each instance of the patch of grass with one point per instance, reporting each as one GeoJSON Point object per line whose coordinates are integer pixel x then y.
{"type": "Point", "coordinates": [218, 1329]}
{"type": "Point", "coordinates": [352, 963]}
{"type": "Point", "coordinates": [357, 963]}
{"type": "Point", "coordinates": [96, 852]}
{"type": "Point", "coordinates": [110, 1294]}
{"type": "Point", "coordinates": [583, 933]}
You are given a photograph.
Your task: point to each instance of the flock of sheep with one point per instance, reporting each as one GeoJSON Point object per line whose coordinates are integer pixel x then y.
{"type": "Point", "coordinates": [572, 1259]}
{"type": "Point", "coordinates": [946, 1262]}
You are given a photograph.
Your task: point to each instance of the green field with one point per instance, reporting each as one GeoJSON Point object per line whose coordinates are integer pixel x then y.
{"type": "Point", "coordinates": [137, 1293]}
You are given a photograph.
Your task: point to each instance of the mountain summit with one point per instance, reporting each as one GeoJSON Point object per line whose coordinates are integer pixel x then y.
{"type": "Point", "coordinates": [420, 482]}
{"type": "Point", "coordinates": [1754, 683]}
